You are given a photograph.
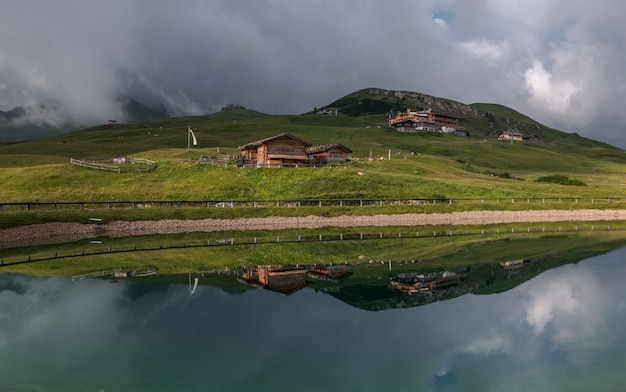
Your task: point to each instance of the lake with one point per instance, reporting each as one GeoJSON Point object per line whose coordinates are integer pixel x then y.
{"type": "Point", "coordinates": [563, 330]}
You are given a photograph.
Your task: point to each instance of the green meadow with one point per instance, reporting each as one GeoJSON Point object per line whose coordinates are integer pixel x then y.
{"type": "Point", "coordinates": [563, 171]}
{"type": "Point", "coordinates": [421, 165]}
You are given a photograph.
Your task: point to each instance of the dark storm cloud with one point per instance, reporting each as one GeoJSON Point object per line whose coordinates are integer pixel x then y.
{"type": "Point", "coordinates": [558, 61]}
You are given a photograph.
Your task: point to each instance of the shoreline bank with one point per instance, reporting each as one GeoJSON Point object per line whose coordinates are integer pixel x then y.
{"type": "Point", "coordinates": [61, 232]}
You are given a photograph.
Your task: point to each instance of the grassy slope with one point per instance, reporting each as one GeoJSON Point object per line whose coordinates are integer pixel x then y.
{"type": "Point", "coordinates": [447, 166]}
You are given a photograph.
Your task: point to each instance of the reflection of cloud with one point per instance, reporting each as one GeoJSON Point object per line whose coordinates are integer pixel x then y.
{"type": "Point", "coordinates": [549, 302]}
{"type": "Point", "coordinates": [486, 344]}
{"type": "Point", "coordinates": [535, 335]}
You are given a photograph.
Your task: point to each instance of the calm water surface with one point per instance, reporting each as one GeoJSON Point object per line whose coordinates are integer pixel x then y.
{"type": "Point", "coordinates": [562, 331]}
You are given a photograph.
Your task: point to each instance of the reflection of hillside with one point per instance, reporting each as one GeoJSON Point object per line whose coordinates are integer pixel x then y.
{"type": "Point", "coordinates": [375, 293]}
{"type": "Point", "coordinates": [370, 285]}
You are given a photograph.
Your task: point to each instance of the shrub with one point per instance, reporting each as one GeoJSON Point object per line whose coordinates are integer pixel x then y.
{"type": "Point", "coordinates": [561, 180]}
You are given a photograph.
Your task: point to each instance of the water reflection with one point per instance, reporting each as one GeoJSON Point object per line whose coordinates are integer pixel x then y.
{"type": "Point", "coordinates": [289, 279]}
{"type": "Point", "coordinates": [562, 330]}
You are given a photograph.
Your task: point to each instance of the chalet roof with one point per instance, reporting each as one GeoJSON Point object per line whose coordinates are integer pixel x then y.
{"type": "Point", "coordinates": [269, 139]}
{"type": "Point", "coordinates": [326, 147]}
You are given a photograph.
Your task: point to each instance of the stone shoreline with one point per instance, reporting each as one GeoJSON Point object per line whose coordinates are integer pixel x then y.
{"type": "Point", "coordinates": [60, 232]}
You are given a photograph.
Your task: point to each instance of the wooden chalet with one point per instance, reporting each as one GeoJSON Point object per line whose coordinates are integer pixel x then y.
{"type": "Point", "coordinates": [283, 150]}
{"type": "Point", "coordinates": [426, 120]}
{"type": "Point", "coordinates": [511, 135]}
{"type": "Point", "coordinates": [334, 152]}
{"type": "Point", "coordinates": [531, 138]}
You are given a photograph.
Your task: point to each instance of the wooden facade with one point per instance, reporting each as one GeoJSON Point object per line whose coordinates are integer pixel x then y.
{"type": "Point", "coordinates": [286, 150]}
{"type": "Point", "coordinates": [283, 150]}
{"type": "Point", "coordinates": [328, 153]}
{"type": "Point", "coordinates": [426, 119]}
{"type": "Point", "coordinates": [510, 135]}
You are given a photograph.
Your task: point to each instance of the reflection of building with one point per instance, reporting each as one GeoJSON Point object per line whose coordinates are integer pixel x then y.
{"type": "Point", "coordinates": [512, 264]}
{"type": "Point", "coordinates": [276, 278]}
{"type": "Point", "coordinates": [333, 273]}
{"type": "Point", "coordinates": [413, 282]}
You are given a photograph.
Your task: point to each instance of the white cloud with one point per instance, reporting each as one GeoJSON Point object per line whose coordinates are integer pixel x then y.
{"type": "Point", "coordinates": [554, 95]}
{"type": "Point", "coordinates": [484, 49]}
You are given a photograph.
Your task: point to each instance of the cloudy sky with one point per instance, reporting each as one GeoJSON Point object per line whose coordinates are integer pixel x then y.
{"type": "Point", "coordinates": [561, 62]}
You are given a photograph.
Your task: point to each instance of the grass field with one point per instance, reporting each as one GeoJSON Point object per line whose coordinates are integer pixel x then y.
{"type": "Point", "coordinates": [386, 164]}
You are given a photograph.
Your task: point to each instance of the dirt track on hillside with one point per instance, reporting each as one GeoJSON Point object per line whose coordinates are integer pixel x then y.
{"type": "Point", "coordinates": [60, 232]}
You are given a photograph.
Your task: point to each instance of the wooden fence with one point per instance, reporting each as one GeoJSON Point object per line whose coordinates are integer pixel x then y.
{"type": "Point", "coordinates": [95, 165]}
{"type": "Point", "coordinates": [105, 164]}
{"type": "Point", "coordinates": [616, 201]}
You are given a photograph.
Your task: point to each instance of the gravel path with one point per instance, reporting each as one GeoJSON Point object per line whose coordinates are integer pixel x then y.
{"type": "Point", "coordinates": [60, 232]}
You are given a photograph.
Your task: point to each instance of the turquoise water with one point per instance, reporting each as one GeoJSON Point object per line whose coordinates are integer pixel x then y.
{"type": "Point", "coordinates": [562, 331]}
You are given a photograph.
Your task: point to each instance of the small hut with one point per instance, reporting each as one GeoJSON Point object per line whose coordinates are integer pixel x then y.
{"type": "Point", "coordinates": [283, 150]}
{"type": "Point", "coordinates": [326, 153]}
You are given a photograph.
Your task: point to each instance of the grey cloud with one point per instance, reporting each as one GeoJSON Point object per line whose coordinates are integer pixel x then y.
{"type": "Point", "coordinates": [281, 56]}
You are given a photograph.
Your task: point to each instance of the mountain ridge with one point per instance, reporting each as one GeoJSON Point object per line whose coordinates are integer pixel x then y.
{"type": "Point", "coordinates": [16, 126]}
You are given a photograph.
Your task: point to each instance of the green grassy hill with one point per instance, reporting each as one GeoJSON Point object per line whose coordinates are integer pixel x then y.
{"type": "Point", "coordinates": [421, 165]}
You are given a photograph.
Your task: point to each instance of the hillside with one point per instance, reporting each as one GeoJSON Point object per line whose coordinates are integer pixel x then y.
{"type": "Point", "coordinates": [482, 119]}
{"type": "Point", "coordinates": [428, 165]}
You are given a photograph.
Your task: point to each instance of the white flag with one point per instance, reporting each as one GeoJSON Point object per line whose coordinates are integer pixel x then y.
{"type": "Point", "coordinates": [195, 142]}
